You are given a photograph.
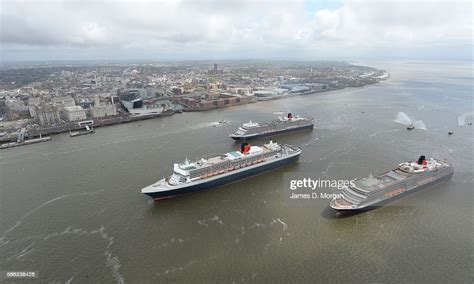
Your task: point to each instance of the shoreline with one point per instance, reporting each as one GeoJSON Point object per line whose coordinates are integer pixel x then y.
{"type": "Point", "coordinates": [73, 126]}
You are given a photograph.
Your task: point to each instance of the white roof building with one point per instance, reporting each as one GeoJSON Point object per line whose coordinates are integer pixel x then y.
{"type": "Point", "coordinates": [75, 113]}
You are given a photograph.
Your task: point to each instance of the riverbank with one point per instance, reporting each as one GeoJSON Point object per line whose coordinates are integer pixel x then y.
{"type": "Point", "coordinates": [311, 92]}
{"type": "Point", "coordinates": [74, 126]}
{"type": "Point", "coordinates": [126, 118]}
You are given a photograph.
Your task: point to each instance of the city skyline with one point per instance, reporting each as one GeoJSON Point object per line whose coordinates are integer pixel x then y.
{"type": "Point", "coordinates": [213, 30]}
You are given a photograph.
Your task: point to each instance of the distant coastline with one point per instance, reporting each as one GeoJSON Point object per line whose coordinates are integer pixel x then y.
{"type": "Point", "coordinates": [133, 92]}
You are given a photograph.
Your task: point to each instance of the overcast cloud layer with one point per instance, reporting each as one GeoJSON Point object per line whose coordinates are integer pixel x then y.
{"type": "Point", "coordinates": [213, 29]}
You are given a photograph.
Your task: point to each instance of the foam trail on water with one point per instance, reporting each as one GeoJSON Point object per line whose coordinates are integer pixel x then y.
{"type": "Point", "coordinates": [113, 262]}
{"type": "Point", "coordinates": [205, 222]}
{"type": "Point", "coordinates": [387, 131]}
{"type": "Point", "coordinates": [70, 279]}
{"type": "Point", "coordinates": [278, 220]}
{"type": "Point", "coordinates": [19, 222]}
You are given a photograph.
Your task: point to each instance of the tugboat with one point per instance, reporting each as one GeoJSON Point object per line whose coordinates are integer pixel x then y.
{"type": "Point", "coordinates": [219, 170]}
{"type": "Point", "coordinates": [251, 130]}
{"type": "Point", "coordinates": [371, 192]}
{"type": "Point", "coordinates": [410, 127]}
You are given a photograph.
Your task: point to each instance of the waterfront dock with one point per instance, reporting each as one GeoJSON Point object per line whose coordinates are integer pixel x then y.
{"type": "Point", "coordinates": [26, 142]}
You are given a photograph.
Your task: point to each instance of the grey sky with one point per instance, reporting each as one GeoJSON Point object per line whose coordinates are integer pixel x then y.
{"type": "Point", "coordinates": [213, 29]}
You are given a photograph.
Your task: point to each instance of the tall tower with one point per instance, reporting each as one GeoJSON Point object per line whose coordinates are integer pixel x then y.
{"type": "Point", "coordinates": [215, 67]}
{"type": "Point", "coordinates": [96, 101]}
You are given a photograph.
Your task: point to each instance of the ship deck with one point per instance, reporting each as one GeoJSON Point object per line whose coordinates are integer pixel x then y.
{"type": "Point", "coordinates": [230, 156]}
{"type": "Point", "coordinates": [379, 182]}
{"type": "Point", "coordinates": [217, 159]}
{"type": "Point", "coordinates": [278, 122]}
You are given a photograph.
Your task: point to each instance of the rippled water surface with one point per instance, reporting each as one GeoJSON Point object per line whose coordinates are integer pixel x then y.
{"type": "Point", "coordinates": [71, 208]}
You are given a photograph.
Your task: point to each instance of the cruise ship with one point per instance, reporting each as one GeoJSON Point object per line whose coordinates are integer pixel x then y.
{"type": "Point", "coordinates": [251, 130]}
{"type": "Point", "coordinates": [371, 192]}
{"type": "Point", "coordinates": [222, 169]}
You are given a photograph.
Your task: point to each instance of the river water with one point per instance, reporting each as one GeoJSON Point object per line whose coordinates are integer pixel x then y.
{"type": "Point", "coordinates": [71, 208]}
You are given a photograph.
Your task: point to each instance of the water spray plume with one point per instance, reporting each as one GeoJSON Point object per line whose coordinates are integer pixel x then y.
{"type": "Point", "coordinates": [462, 118]}
{"type": "Point", "coordinates": [404, 119]}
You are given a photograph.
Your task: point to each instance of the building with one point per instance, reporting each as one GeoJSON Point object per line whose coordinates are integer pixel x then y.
{"type": "Point", "coordinates": [85, 102]}
{"type": "Point", "coordinates": [74, 113]}
{"type": "Point", "coordinates": [3, 107]}
{"type": "Point", "coordinates": [215, 71]}
{"type": "Point", "coordinates": [47, 114]}
{"type": "Point", "coordinates": [13, 115]}
{"type": "Point", "coordinates": [63, 102]}
{"type": "Point", "coordinates": [318, 86]}
{"type": "Point", "coordinates": [114, 99]}
{"type": "Point", "coordinates": [102, 109]}
{"type": "Point", "coordinates": [296, 88]}
{"type": "Point", "coordinates": [16, 104]}
{"type": "Point", "coordinates": [243, 91]}
{"type": "Point", "coordinates": [32, 103]}
{"type": "Point", "coordinates": [177, 91]}
{"type": "Point", "coordinates": [131, 99]}
{"type": "Point", "coordinates": [271, 92]}
{"type": "Point", "coordinates": [149, 93]}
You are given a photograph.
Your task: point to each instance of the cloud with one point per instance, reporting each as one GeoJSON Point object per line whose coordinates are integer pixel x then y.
{"type": "Point", "coordinates": [228, 29]}
{"type": "Point", "coordinates": [383, 23]}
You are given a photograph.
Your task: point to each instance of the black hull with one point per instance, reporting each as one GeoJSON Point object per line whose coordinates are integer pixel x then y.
{"type": "Point", "coordinates": [396, 197]}
{"type": "Point", "coordinates": [223, 180]}
{"type": "Point", "coordinates": [244, 138]}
